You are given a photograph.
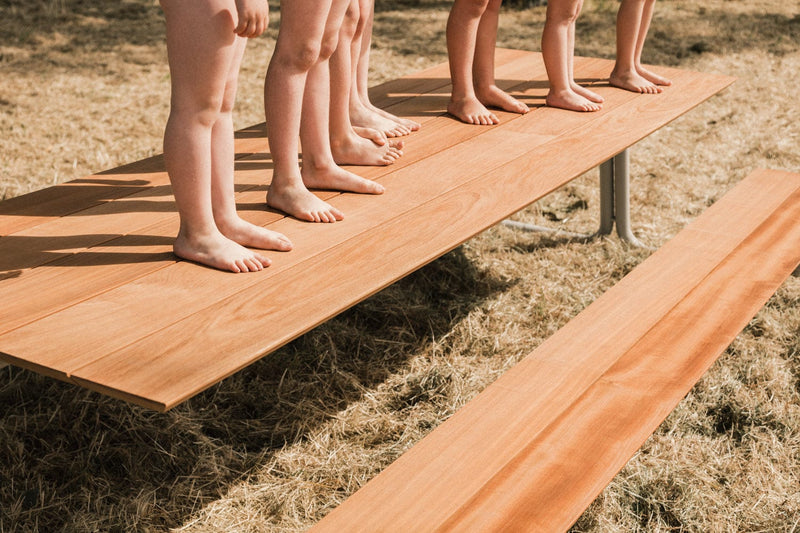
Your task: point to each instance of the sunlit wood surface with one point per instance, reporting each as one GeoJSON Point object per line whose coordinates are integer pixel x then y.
{"type": "Point", "coordinates": [533, 450]}
{"type": "Point", "coordinates": [90, 292]}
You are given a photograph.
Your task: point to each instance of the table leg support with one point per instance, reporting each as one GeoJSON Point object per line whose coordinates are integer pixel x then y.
{"type": "Point", "coordinates": [614, 204]}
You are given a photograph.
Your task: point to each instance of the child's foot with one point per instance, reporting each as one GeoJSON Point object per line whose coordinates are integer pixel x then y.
{"type": "Point", "coordinates": [592, 96]}
{"type": "Point", "coordinates": [338, 179]}
{"type": "Point", "coordinates": [376, 136]}
{"type": "Point", "coordinates": [253, 236]}
{"type": "Point", "coordinates": [219, 252]}
{"type": "Point", "coordinates": [632, 81]}
{"type": "Point", "coordinates": [471, 111]}
{"type": "Point", "coordinates": [653, 77]}
{"type": "Point", "coordinates": [571, 100]}
{"type": "Point", "coordinates": [356, 150]}
{"type": "Point", "coordinates": [362, 117]}
{"type": "Point", "coordinates": [496, 97]}
{"type": "Point", "coordinates": [299, 202]}
{"type": "Point", "coordinates": [411, 125]}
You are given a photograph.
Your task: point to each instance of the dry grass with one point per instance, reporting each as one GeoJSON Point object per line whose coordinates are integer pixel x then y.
{"type": "Point", "coordinates": [83, 87]}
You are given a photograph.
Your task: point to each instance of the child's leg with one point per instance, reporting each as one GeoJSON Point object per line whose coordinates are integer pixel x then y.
{"type": "Point", "coordinates": [222, 165]}
{"type": "Point", "coordinates": [483, 69]}
{"type": "Point", "coordinates": [347, 146]}
{"type": "Point", "coordinates": [362, 112]}
{"type": "Point", "coordinates": [630, 34]}
{"type": "Point", "coordinates": [557, 52]}
{"type": "Point", "coordinates": [200, 46]}
{"type": "Point", "coordinates": [319, 168]}
{"type": "Point", "coordinates": [582, 91]}
{"type": "Point", "coordinates": [462, 36]}
{"type": "Point", "coordinates": [647, 16]}
{"type": "Point", "coordinates": [297, 51]}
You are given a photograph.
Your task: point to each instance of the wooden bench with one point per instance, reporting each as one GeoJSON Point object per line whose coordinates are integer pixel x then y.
{"type": "Point", "coordinates": [535, 448]}
{"type": "Point", "coordinates": [91, 294]}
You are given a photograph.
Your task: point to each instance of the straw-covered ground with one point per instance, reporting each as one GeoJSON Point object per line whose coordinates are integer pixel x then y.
{"type": "Point", "coordinates": [84, 87]}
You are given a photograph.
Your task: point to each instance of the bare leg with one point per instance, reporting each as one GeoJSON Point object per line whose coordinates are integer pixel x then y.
{"type": "Point", "coordinates": [582, 91]}
{"type": "Point", "coordinates": [348, 145]}
{"type": "Point", "coordinates": [647, 16]}
{"type": "Point", "coordinates": [630, 40]}
{"type": "Point", "coordinates": [558, 51]}
{"type": "Point", "coordinates": [483, 69]}
{"type": "Point", "coordinates": [222, 163]}
{"type": "Point", "coordinates": [202, 52]}
{"type": "Point", "coordinates": [319, 168]}
{"type": "Point", "coordinates": [363, 112]}
{"type": "Point", "coordinates": [462, 35]}
{"type": "Point", "coordinates": [297, 51]}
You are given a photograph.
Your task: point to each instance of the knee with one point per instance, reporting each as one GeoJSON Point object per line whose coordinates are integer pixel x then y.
{"type": "Point", "coordinates": [493, 5]}
{"type": "Point", "coordinates": [299, 56]}
{"type": "Point", "coordinates": [472, 8]}
{"type": "Point", "coordinates": [328, 46]}
{"type": "Point", "coordinates": [195, 111]}
{"type": "Point", "coordinates": [563, 13]}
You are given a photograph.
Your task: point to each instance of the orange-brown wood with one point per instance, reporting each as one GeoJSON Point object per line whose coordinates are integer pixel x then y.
{"type": "Point", "coordinates": [462, 210]}
{"type": "Point", "coordinates": [116, 308]}
{"type": "Point", "coordinates": [533, 450]}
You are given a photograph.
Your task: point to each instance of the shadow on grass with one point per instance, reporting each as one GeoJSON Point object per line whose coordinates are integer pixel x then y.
{"type": "Point", "coordinates": [71, 459]}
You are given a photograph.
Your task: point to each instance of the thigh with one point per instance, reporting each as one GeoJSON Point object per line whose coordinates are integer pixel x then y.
{"type": "Point", "coordinates": [201, 48]}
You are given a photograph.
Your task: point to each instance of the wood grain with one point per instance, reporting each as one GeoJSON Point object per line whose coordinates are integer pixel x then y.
{"type": "Point", "coordinates": [533, 450]}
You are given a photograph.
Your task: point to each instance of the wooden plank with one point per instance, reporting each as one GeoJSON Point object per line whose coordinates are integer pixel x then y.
{"type": "Point", "coordinates": [28, 210]}
{"type": "Point", "coordinates": [455, 212]}
{"type": "Point", "coordinates": [488, 473]}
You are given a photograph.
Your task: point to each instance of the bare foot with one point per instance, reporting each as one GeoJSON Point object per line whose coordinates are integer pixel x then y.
{"type": "Point", "coordinates": [356, 150]}
{"type": "Point", "coordinates": [405, 122]}
{"type": "Point", "coordinates": [219, 252]}
{"type": "Point", "coordinates": [376, 136]}
{"type": "Point", "coordinates": [338, 179]}
{"type": "Point", "coordinates": [253, 236]}
{"type": "Point", "coordinates": [496, 97]}
{"type": "Point", "coordinates": [592, 96]}
{"type": "Point", "coordinates": [297, 201]}
{"type": "Point", "coordinates": [362, 117]}
{"type": "Point", "coordinates": [571, 100]}
{"type": "Point", "coordinates": [653, 77]}
{"type": "Point", "coordinates": [632, 81]}
{"type": "Point", "coordinates": [471, 111]}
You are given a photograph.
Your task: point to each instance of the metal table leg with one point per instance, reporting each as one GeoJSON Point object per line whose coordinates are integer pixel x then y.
{"type": "Point", "coordinates": [614, 203]}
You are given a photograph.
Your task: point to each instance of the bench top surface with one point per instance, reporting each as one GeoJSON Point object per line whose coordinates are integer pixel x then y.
{"type": "Point", "coordinates": [536, 447]}
{"type": "Point", "coordinates": [91, 293]}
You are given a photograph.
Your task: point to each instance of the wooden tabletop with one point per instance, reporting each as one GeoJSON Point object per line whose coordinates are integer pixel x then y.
{"type": "Point", "coordinates": [91, 293]}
